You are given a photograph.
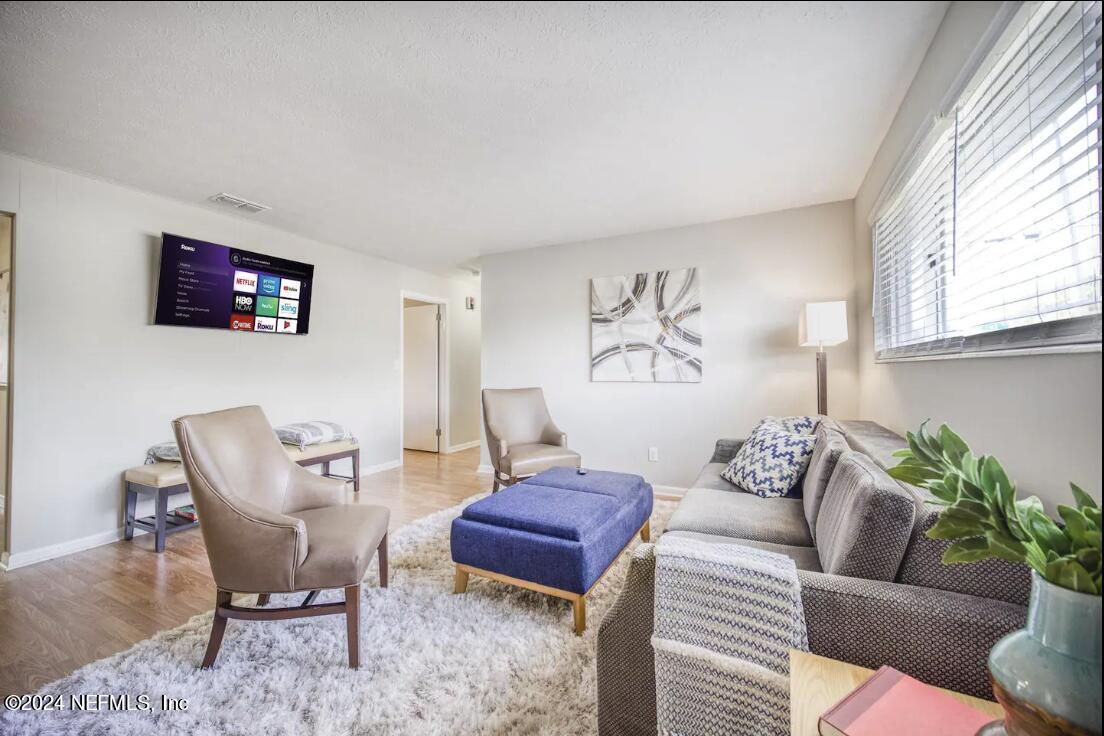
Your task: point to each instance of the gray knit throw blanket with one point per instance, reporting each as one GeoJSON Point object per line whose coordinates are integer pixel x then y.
{"type": "Point", "coordinates": [726, 618]}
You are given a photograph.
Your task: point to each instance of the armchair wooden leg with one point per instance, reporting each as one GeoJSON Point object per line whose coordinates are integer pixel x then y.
{"type": "Point", "coordinates": [262, 599]}
{"type": "Point", "coordinates": [381, 553]}
{"type": "Point", "coordinates": [352, 621]}
{"type": "Point", "coordinates": [497, 483]}
{"type": "Point", "coordinates": [218, 628]}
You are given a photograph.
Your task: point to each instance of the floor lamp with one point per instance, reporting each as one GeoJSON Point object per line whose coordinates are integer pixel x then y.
{"type": "Point", "coordinates": [822, 324]}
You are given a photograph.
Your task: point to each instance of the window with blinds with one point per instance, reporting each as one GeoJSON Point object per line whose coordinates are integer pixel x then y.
{"type": "Point", "coordinates": [991, 238]}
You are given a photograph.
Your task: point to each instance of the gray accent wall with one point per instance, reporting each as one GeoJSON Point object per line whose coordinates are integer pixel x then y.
{"type": "Point", "coordinates": [755, 275]}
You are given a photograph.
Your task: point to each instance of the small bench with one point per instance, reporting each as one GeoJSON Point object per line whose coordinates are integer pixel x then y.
{"type": "Point", "coordinates": [556, 533]}
{"type": "Point", "coordinates": [164, 479]}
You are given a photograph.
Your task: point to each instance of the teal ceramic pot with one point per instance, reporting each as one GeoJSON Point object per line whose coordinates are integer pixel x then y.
{"type": "Point", "coordinates": [1047, 675]}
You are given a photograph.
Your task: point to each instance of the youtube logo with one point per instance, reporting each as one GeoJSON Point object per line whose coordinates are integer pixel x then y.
{"type": "Point", "coordinates": [289, 289]}
{"type": "Point", "coordinates": [286, 325]}
{"type": "Point", "coordinates": [245, 281]}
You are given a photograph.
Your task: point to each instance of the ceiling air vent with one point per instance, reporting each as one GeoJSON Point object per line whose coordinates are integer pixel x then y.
{"type": "Point", "coordinates": [242, 205]}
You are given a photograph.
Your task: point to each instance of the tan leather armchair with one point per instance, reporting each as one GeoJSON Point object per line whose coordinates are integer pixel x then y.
{"type": "Point", "coordinates": [522, 439]}
{"type": "Point", "coordinates": [271, 526]}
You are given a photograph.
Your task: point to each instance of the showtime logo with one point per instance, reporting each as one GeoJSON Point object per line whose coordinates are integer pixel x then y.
{"type": "Point", "coordinates": [245, 281]}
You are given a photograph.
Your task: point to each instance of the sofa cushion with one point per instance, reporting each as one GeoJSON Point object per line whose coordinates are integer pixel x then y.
{"type": "Point", "coordinates": [923, 565]}
{"type": "Point", "coordinates": [742, 515]}
{"type": "Point", "coordinates": [865, 521]}
{"type": "Point", "coordinates": [805, 558]}
{"type": "Point", "coordinates": [830, 444]}
{"type": "Point", "coordinates": [710, 477]}
{"type": "Point", "coordinates": [874, 441]}
{"type": "Point", "coordinates": [772, 460]}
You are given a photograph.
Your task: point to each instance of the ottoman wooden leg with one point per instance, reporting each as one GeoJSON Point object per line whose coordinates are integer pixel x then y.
{"type": "Point", "coordinates": [579, 606]}
{"type": "Point", "coordinates": [461, 581]}
{"type": "Point", "coordinates": [646, 531]}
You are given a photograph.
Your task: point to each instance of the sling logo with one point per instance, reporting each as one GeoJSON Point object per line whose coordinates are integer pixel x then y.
{"type": "Point", "coordinates": [245, 281]}
{"type": "Point", "coordinates": [289, 308]}
{"type": "Point", "coordinates": [244, 303]}
{"type": "Point", "coordinates": [289, 289]}
{"type": "Point", "coordinates": [264, 324]}
{"type": "Point", "coordinates": [286, 325]}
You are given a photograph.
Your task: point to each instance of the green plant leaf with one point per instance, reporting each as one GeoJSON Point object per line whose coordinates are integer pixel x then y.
{"type": "Point", "coordinates": [947, 527]}
{"type": "Point", "coordinates": [954, 447]}
{"type": "Point", "coordinates": [1084, 500]}
{"type": "Point", "coordinates": [1042, 528]}
{"type": "Point", "coordinates": [1077, 526]}
{"type": "Point", "coordinates": [967, 550]}
{"type": "Point", "coordinates": [1007, 547]}
{"type": "Point", "coordinates": [1069, 573]}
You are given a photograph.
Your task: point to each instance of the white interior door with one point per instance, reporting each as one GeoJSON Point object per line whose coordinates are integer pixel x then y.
{"type": "Point", "coordinates": [420, 378]}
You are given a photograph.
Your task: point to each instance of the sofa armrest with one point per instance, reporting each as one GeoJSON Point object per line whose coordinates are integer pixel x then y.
{"type": "Point", "coordinates": [937, 636]}
{"type": "Point", "coordinates": [725, 450]}
{"type": "Point", "coordinates": [626, 662]}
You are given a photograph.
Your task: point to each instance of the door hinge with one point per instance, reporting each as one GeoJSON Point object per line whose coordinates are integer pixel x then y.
{"type": "Point", "coordinates": [437, 431]}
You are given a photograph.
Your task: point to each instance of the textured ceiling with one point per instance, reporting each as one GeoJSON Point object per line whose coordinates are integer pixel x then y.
{"type": "Point", "coordinates": [432, 133]}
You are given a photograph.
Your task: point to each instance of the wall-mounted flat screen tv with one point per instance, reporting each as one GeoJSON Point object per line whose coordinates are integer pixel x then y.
{"type": "Point", "coordinates": [208, 285]}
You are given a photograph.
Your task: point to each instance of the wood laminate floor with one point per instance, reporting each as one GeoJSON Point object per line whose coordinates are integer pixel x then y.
{"type": "Point", "coordinates": [59, 615]}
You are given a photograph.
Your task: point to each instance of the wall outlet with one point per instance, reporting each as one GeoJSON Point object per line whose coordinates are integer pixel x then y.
{"type": "Point", "coordinates": [653, 454]}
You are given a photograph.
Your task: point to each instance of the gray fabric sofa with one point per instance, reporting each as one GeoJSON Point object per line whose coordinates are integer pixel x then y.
{"type": "Point", "coordinates": [872, 585]}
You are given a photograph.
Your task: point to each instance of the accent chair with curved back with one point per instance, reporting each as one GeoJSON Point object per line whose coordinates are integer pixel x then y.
{"type": "Point", "coordinates": [271, 526]}
{"type": "Point", "coordinates": [522, 439]}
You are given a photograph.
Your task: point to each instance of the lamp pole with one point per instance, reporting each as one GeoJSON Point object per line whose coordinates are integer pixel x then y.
{"type": "Point", "coordinates": [822, 380]}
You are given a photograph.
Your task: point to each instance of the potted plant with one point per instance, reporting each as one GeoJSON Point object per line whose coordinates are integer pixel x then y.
{"type": "Point", "coordinates": [1046, 676]}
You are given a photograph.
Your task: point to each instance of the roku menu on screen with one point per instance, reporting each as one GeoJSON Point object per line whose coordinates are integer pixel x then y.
{"type": "Point", "coordinates": [207, 285]}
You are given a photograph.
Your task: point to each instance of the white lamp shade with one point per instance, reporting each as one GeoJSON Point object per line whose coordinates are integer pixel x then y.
{"type": "Point", "coordinates": [823, 323]}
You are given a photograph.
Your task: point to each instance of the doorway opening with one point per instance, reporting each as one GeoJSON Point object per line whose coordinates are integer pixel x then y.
{"type": "Point", "coordinates": [422, 374]}
{"type": "Point", "coordinates": [6, 260]}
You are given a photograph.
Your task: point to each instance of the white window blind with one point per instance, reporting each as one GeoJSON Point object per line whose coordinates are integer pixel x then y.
{"type": "Point", "coordinates": [991, 240]}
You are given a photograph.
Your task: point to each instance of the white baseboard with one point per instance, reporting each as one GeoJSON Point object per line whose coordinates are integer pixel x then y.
{"type": "Point", "coordinates": [485, 470]}
{"type": "Point", "coordinates": [661, 490]}
{"type": "Point", "coordinates": [462, 446]}
{"type": "Point", "coordinates": [49, 552]}
{"type": "Point", "coordinates": [380, 467]}
{"type": "Point", "coordinates": [41, 554]}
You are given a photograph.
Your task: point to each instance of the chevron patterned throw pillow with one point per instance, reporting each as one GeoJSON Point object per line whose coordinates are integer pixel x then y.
{"type": "Point", "coordinates": [769, 463]}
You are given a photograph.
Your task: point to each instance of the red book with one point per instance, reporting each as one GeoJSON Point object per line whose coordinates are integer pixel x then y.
{"type": "Point", "coordinates": [891, 702]}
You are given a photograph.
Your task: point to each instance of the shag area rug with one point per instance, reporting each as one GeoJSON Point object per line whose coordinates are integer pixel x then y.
{"type": "Point", "coordinates": [496, 660]}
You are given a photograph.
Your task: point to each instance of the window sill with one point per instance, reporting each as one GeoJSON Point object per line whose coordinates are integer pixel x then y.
{"type": "Point", "coordinates": [1093, 347]}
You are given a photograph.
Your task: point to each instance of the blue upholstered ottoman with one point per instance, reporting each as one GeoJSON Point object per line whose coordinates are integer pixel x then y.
{"type": "Point", "coordinates": [556, 533]}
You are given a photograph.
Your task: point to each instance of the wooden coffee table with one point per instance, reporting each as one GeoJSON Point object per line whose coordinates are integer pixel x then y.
{"type": "Point", "coordinates": [817, 683]}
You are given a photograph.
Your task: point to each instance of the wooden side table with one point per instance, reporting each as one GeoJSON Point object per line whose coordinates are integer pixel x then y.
{"type": "Point", "coordinates": [817, 683]}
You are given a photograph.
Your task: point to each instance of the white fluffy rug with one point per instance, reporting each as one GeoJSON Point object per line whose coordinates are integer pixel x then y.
{"type": "Point", "coordinates": [496, 660]}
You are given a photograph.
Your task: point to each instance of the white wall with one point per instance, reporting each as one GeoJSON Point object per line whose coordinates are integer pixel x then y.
{"type": "Point", "coordinates": [96, 383]}
{"type": "Point", "coordinates": [756, 273]}
{"type": "Point", "coordinates": [1040, 415]}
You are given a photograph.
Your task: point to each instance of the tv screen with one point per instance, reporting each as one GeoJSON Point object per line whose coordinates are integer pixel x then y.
{"type": "Point", "coordinates": [207, 285]}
